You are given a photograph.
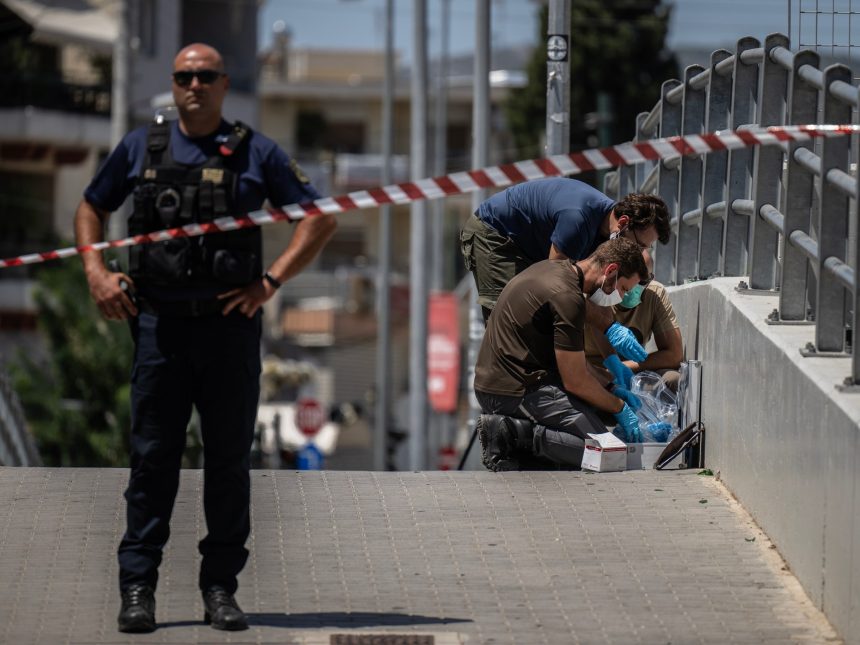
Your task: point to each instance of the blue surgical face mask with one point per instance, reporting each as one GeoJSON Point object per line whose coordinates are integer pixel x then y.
{"type": "Point", "coordinates": [633, 297]}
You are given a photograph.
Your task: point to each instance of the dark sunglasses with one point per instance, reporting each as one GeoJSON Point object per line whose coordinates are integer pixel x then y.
{"type": "Point", "coordinates": [205, 76]}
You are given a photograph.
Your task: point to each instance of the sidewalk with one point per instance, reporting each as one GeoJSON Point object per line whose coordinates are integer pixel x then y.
{"type": "Point", "coordinates": [636, 557]}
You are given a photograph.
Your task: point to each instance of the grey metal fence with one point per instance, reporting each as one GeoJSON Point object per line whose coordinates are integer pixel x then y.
{"type": "Point", "coordinates": [783, 215]}
{"type": "Point", "coordinates": [16, 445]}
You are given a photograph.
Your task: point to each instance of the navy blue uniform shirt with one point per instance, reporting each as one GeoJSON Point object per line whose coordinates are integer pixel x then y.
{"type": "Point", "coordinates": [265, 170]}
{"type": "Point", "coordinates": [557, 210]}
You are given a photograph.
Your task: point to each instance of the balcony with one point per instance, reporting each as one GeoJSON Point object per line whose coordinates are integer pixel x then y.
{"type": "Point", "coordinates": [54, 94]}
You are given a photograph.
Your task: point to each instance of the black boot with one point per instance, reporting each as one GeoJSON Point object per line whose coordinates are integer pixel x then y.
{"type": "Point", "coordinates": [137, 614]}
{"type": "Point", "coordinates": [222, 610]}
{"type": "Point", "coordinates": [498, 443]}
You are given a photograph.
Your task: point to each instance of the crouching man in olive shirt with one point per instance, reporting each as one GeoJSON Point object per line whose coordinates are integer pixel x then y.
{"type": "Point", "coordinates": [538, 393]}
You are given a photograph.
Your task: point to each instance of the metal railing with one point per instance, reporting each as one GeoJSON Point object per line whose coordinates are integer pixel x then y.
{"type": "Point", "coordinates": [784, 215]}
{"type": "Point", "coordinates": [16, 445]}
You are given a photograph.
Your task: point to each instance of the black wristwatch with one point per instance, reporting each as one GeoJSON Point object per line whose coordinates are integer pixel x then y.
{"type": "Point", "coordinates": [268, 277]}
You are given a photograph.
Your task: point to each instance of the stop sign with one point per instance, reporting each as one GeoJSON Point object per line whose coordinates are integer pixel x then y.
{"type": "Point", "coordinates": [309, 416]}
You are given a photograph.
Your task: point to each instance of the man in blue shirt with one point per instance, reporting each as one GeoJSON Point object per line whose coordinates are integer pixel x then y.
{"type": "Point", "coordinates": [551, 218]}
{"type": "Point", "coordinates": [194, 309]}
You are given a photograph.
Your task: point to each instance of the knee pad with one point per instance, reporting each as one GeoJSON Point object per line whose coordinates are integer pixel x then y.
{"type": "Point", "coordinates": [521, 432]}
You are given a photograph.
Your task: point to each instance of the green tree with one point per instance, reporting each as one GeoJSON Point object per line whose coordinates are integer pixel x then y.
{"type": "Point", "coordinates": [76, 402]}
{"type": "Point", "coordinates": [616, 47]}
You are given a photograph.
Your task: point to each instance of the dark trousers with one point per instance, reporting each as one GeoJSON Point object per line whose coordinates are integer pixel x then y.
{"type": "Point", "coordinates": [562, 420]}
{"type": "Point", "coordinates": [213, 363]}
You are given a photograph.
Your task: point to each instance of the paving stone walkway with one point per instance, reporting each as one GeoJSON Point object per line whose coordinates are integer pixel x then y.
{"type": "Point", "coordinates": [434, 558]}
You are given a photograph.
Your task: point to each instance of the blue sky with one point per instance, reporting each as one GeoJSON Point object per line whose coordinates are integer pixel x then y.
{"type": "Point", "coordinates": [359, 23]}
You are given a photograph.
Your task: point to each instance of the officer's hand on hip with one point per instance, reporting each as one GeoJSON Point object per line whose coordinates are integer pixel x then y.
{"type": "Point", "coordinates": [110, 291]}
{"type": "Point", "coordinates": [247, 300]}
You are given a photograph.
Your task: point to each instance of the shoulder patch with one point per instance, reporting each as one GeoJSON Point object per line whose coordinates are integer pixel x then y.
{"type": "Point", "coordinates": [298, 172]}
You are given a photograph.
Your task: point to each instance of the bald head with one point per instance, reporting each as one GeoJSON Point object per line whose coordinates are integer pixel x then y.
{"type": "Point", "coordinates": [200, 55]}
{"type": "Point", "coordinates": [199, 87]}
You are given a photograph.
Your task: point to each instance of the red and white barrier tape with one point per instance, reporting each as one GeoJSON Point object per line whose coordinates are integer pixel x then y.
{"type": "Point", "coordinates": [465, 182]}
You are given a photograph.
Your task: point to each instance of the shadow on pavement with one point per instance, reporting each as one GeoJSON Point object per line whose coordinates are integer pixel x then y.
{"type": "Point", "coordinates": [345, 620]}
{"type": "Point", "coordinates": [181, 623]}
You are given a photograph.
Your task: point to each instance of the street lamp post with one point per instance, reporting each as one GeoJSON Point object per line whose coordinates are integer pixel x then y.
{"type": "Point", "coordinates": [383, 282]}
{"type": "Point", "coordinates": [418, 245]}
{"type": "Point", "coordinates": [558, 78]}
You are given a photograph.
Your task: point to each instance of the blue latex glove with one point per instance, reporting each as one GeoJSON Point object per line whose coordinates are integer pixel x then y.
{"type": "Point", "coordinates": [624, 342]}
{"type": "Point", "coordinates": [621, 374]}
{"type": "Point", "coordinates": [630, 424]}
{"type": "Point", "coordinates": [628, 397]}
{"type": "Point", "coordinates": [660, 431]}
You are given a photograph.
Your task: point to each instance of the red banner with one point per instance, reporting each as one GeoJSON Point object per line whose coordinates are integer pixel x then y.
{"type": "Point", "coordinates": [443, 352]}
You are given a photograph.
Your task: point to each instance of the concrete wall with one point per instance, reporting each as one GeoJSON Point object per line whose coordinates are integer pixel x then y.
{"type": "Point", "coordinates": [783, 439]}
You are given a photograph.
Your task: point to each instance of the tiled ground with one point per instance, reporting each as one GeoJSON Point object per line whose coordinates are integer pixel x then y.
{"type": "Point", "coordinates": [636, 557]}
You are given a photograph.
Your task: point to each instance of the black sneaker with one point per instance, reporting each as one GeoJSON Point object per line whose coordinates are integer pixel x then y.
{"type": "Point", "coordinates": [222, 611]}
{"type": "Point", "coordinates": [137, 614]}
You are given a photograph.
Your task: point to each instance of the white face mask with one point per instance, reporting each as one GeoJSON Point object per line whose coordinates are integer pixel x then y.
{"type": "Point", "coordinates": [603, 299]}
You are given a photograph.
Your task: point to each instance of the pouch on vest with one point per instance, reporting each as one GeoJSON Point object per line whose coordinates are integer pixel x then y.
{"type": "Point", "coordinates": [234, 268]}
{"type": "Point", "coordinates": [168, 262]}
{"type": "Point", "coordinates": [167, 205]}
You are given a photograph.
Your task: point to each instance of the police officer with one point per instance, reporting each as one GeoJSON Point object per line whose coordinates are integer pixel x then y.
{"type": "Point", "coordinates": [195, 319]}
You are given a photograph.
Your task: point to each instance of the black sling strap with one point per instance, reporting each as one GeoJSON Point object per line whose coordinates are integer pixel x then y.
{"type": "Point", "coordinates": [158, 144]}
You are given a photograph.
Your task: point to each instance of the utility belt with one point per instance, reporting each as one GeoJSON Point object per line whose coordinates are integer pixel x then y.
{"type": "Point", "coordinates": [181, 308]}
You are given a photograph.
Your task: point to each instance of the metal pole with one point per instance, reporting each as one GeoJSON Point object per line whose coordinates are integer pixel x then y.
{"type": "Point", "coordinates": [440, 149]}
{"type": "Point", "coordinates": [767, 171]}
{"type": "Point", "coordinates": [667, 183]}
{"type": "Point", "coordinates": [558, 78]}
{"type": "Point", "coordinates": [120, 86]}
{"type": "Point", "coordinates": [440, 421]}
{"type": "Point", "coordinates": [604, 131]}
{"type": "Point", "coordinates": [480, 155]}
{"type": "Point", "coordinates": [418, 245]}
{"type": "Point", "coordinates": [383, 285]}
{"type": "Point", "coordinates": [690, 180]}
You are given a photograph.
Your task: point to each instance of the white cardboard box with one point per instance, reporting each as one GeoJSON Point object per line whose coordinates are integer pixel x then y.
{"type": "Point", "coordinates": [642, 456]}
{"type": "Point", "coordinates": [604, 453]}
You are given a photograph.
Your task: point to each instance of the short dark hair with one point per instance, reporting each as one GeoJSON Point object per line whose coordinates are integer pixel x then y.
{"type": "Point", "coordinates": [645, 211]}
{"type": "Point", "coordinates": [623, 252]}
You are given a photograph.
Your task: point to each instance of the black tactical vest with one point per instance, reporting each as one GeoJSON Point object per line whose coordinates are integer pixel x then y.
{"type": "Point", "coordinates": [169, 195]}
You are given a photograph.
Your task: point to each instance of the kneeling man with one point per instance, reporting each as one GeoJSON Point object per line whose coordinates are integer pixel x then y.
{"type": "Point", "coordinates": [647, 312]}
{"type": "Point", "coordinates": [538, 393]}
